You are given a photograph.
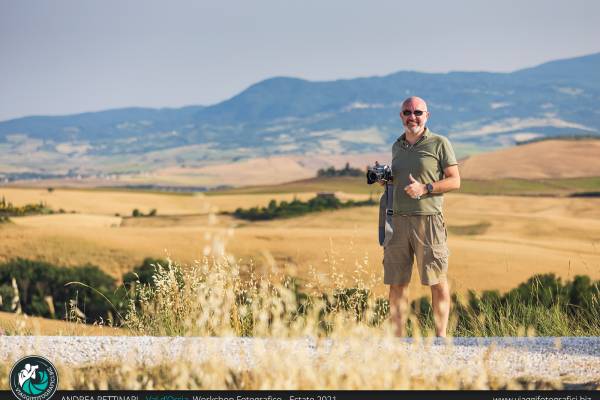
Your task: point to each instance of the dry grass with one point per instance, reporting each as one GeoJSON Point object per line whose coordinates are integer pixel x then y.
{"type": "Point", "coordinates": [82, 221]}
{"type": "Point", "coordinates": [15, 324]}
{"type": "Point", "coordinates": [368, 370]}
{"type": "Point", "coordinates": [110, 202]}
{"type": "Point", "coordinates": [546, 159]}
{"type": "Point", "coordinates": [522, 236]}
{"type": "Point", "coordinates": [218, 297]}
{"type": "Point", "coordinates": [343, 184]}
{"type": "Point", "coordinates": [104, 202]}
{"type": "Point", "coordinates": [215, 297]}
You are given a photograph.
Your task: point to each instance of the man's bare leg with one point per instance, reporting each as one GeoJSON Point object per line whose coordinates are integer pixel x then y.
{"type": "Point", "coordinates": [399, 308]}
{"type": "Point", "coordinates": [440, 300]}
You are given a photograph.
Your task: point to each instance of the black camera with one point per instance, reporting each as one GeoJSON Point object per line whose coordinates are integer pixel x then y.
{"type": "Point", "coordinates": [378, 173]}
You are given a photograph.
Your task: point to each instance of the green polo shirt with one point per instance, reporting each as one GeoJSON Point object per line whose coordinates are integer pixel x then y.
{"type": "Point", "coordinates": [426, 161]}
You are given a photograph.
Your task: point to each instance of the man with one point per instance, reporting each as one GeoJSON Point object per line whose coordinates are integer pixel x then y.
{"type": "Point", "coordinates": [423, 167]}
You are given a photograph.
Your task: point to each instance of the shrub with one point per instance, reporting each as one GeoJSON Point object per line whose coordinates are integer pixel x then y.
{"type": "Point", "coordinates": [210, 298]}
{"type": "Point", "coordinates": [37, 280]}
{"type": "Point", "coordinates": [542, 304]}
{"type": "Point", "coordinates": [144, 273]}
{"type": "Point", "coordinates": [7, 209]}
{"type": "Point", "coordinates": [296, 208]}
{"type": "Point", "coordinates": [214, 298]}
{"type": "Point", "coordinates": [346, 171]}
{"type": "Point", "coordinates": [137, 213]}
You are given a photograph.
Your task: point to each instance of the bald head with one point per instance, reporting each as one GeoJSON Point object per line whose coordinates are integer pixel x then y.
{"type": "Point", "coordinates": [414, 115]}
{"type": "Point", "coordinates": [415, 101]}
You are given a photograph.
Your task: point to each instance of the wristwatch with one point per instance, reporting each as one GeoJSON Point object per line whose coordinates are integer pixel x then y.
{"type": "Point", "coordinates": [429, 188]}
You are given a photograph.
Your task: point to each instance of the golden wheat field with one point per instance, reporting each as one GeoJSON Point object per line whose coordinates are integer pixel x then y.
{"type": "Point", "coordinates": [578, 158]}
{"type": "Point", "coordinates": [495, 242]}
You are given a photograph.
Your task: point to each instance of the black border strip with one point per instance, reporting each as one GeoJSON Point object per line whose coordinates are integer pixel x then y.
{"type": "Point", "coordinates": [319, 394]}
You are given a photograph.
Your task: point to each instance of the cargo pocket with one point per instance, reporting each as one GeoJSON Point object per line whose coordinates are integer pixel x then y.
{"type": "Point", "coordinates": [436, 255]}
{"type": "Point", "coordinates": [439, 233]}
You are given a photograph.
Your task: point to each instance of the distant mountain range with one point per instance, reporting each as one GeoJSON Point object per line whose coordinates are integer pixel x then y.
{"type": "Point", "coordinates": [285, 116]}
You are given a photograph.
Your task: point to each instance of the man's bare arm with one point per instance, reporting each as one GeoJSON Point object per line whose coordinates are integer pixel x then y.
{"type": "Point", "coordinates": [450, 182]}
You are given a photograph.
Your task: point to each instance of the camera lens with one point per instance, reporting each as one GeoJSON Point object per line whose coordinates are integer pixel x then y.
{"type": "Point", "coordinates": [371, 177]}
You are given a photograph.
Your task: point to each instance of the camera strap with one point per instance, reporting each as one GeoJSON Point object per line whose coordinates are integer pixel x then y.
{"type": "Point", "coordinates": [385, 215]}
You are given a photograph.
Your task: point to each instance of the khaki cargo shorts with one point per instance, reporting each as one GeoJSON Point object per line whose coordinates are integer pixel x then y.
{"type": "Point", "coordinates": [416, 236]}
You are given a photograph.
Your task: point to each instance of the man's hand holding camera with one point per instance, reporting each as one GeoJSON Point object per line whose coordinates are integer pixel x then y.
{"type": "Point", "coordinates": [415, 189]}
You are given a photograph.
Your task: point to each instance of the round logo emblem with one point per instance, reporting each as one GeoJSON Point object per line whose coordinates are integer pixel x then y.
{"type": "Point", "coordinates": [33, 377]}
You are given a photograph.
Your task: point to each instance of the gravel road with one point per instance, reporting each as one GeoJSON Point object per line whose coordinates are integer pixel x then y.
{"type": "Point", "coordinates": [572, 360]}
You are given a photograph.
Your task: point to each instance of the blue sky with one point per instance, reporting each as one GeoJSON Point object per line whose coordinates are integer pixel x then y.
{"type": "Point", "coordinates": [69, 56]}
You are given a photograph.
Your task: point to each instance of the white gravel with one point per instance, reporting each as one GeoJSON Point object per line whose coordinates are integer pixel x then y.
{"type": "Point", "coordinates": [567, 359]}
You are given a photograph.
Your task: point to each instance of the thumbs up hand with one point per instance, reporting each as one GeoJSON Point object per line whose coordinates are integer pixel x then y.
{"type": "Point", "coordinates": [415, 189]}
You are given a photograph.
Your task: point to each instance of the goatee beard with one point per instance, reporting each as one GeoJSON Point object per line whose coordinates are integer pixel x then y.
{"type": "Point", "coordinates": [415, 130]}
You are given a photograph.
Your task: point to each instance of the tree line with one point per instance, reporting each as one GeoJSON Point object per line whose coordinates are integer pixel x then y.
{"type": "Point", "coordinates": [346, 171]}
{"type": "Point", "coordinates": [297, 207]}
{"type": "Point", "coordinates": [7, 209]}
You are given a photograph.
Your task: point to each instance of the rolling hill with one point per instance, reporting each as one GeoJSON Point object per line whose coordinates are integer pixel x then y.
{"type": "Point", "coordinates": [548, 167]}
{"type": "Point", "coordinates": [288, 116]}
{"type": "Point", "coordinates": [548, 159]}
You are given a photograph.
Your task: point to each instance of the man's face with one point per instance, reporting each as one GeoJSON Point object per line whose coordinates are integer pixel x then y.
{"type": "Point", "coordinates": [414, 123]}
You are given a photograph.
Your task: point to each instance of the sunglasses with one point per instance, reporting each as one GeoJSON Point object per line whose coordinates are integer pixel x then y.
{"type": "Point", "coordinates": [417, 113]}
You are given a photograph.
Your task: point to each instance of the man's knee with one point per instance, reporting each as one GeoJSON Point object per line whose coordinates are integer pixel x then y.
{"type": "Point", "coordinates": [440, 292]}
{"type": "Point", "coordinates": [440, 287]}
{"type": "Point", "coordinates": [398, 290]}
